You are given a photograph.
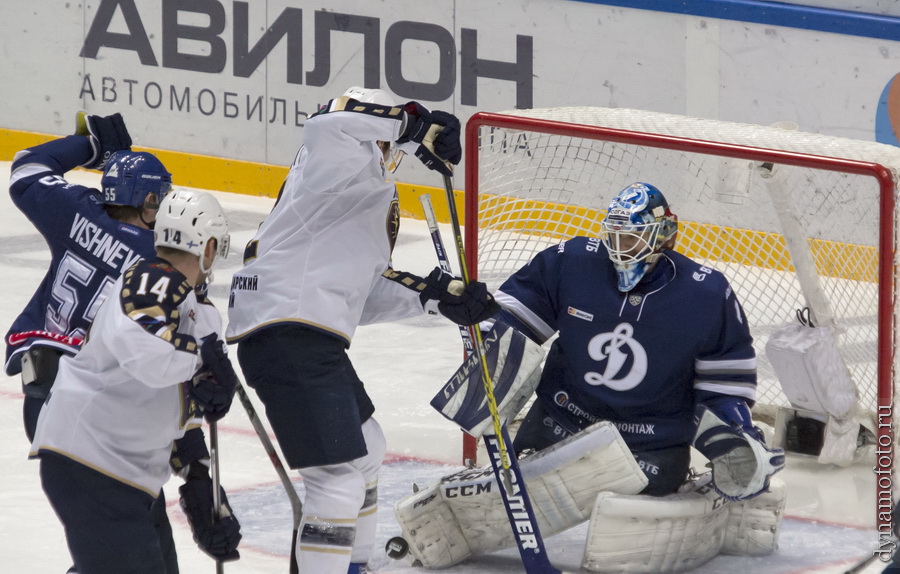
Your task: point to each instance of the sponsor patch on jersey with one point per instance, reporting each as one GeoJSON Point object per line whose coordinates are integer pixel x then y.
{"type": "Point", "coordinates": [580, 314]}
{"type": "Point", "coordinates": [130, 230]}
{"type": "Point", "coordinates": [699, 276]}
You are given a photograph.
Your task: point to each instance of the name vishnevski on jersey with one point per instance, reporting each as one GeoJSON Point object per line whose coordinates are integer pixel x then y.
{"type": "Point", "coordinates": [101, 244]}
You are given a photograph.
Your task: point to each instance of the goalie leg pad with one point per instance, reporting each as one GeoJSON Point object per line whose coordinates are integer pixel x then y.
{"type": "Point", "coordinates": [754, 525]}
{"type": "Point", "coordinates": [680, 531]}
{"type": "Point", "coordinates": [662, 534]}
{"type": "Point", "coordinates": [464, 515]}
{"type": "Point", "coordinates": [431, 529]}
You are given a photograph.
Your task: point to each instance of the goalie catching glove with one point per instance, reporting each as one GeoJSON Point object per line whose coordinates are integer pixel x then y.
{"type": "Point", "coordinates": [107, 136]}
{"type": "Point", "coordinates": [218, 538]}
{"type": "Point", "coordinates": [438, 135]}
{"type": "Point", "coordinates": [741, 463]}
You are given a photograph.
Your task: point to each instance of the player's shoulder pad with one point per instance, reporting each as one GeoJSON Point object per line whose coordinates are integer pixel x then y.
{"type": "Point", "coordinates": [348, 104]}
{"type": "Point", "coordinates": [151, 294]}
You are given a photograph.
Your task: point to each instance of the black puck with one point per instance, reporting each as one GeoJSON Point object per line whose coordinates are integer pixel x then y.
{"type": "Point", "coordinates": [397, 548]}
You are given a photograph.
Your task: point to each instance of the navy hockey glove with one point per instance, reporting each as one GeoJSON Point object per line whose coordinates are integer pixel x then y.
{"type": "Point", "coordinates": [462, 304]}
{"type": "Point", "coordinates": [218, 538]}
{"type": "Point", "coordinates": [438, 135]}
{"type": "Point", "coordinates": [107, 135]}
{"type": "Point", "coordinates": [214, 385]}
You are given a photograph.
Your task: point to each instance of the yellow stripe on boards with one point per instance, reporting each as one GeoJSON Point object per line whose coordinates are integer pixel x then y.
{"type": "Point", "coordinates": [696, 240]}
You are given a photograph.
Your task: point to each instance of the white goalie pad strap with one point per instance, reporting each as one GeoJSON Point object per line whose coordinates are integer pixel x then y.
{"type": "Point", "coordinates": [514, 363]}
{"type": "Point", "coordinates": [562, 481]}
{"type": "Point", "coordinates": [811, 371]}
{"type": "Point", "coordinates": [754, 525]}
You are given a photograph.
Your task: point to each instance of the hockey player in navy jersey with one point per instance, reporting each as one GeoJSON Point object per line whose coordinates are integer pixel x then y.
{"type": "Point", "coordinates": [652, 356]}
{"type": "Point", "coordinates": [93, 236]}
{"type": "Point", "coordinates": [154, 354]}
{"type": "Point", "coordinates": [648, 340]}
{"type": "Point", "coordinates": [318, 267]}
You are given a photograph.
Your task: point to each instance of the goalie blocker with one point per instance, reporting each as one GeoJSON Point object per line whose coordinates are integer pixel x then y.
{"type": "Point", "coordinates": [514, 363]}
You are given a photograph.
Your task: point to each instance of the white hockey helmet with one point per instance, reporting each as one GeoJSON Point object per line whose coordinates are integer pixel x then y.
{"type": "Point", "coordinates": [187, 220]}
{"type": "Point", "coordinates": [392, 155]}
{"type": "Point", "coordinates": [370, 96]}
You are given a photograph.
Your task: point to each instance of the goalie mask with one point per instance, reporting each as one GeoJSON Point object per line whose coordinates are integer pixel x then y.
{"type": "Point", "coordinates": [187, 220]}
{"type": "Point", "coordinates": [638, 226]}
{"type": "Point", "coordinates": [392, 155]}
{"type": "Point", "coordinates": [137, 179]}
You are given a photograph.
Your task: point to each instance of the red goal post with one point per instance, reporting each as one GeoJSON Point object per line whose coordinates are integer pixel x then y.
{"type": "Point", "coordinates": [534, 177]}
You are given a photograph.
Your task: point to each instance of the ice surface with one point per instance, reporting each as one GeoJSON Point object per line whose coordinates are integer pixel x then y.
{"type": "Point", "coordinates": [831, 515]}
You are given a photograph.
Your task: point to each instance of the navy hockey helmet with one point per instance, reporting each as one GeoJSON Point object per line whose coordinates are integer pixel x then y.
{"type": "Point", "coordinates": [638, 226]}
{"type": "Point", "coordinates": [135, 179]}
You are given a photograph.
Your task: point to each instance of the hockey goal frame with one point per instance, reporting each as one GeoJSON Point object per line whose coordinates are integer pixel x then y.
{"type": "Point", "coordinates": [886, 233]}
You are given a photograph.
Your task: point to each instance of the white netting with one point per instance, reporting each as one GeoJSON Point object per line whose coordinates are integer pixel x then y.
{"type": "Point", "coordinates": [536, 188]}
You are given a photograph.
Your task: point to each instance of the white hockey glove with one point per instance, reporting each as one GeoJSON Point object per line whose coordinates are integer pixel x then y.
{"type": "Point", "coordinates": [741, 463]}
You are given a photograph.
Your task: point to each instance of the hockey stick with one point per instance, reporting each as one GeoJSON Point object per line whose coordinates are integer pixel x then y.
{"type": "Point", "coordinates": [443, 261]}
{"type": "Point", "coordinates": [474, 331]}
{"type": "Point", "coordinates": [861, 564]}
{"type": "Point", "coordinates": [293, 497]}
{"type": "Point", "coordinates": [214, 470]}
{"type": "Point", "coordinates": [512, 490]}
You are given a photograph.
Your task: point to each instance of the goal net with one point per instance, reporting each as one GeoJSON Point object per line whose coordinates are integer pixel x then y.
{"type": "Point", "coordinates": [818, 233]}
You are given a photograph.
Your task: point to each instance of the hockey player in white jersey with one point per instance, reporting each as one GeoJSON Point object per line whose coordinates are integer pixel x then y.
{"type": "Point", "coordinates": [153, 355]}
{"type": "Point", "coordinates": [318, 267]}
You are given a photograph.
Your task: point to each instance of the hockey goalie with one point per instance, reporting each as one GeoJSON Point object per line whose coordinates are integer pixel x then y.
{"type": "Point", "coordinates": [653, 358]}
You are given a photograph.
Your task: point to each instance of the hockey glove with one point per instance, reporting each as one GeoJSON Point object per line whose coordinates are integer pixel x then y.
{"type": "Point", "coordinates": [462, 304]}
{"type": "Point", "coordinates": [214, 385]}
{"type": "Point", "coordinates": [218, 538]}
{"type": "Point", "coordinates": [107, 135]}
{"type": "Point", "coordinates": [438, 135]}
{"type": "Point", "coordinates": [741, 463]}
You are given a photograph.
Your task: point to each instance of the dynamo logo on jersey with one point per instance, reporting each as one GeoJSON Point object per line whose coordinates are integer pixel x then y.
{"type": "Point", "coordinates": [613, 350]}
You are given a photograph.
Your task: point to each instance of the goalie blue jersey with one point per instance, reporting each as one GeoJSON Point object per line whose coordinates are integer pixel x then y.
{"type": "Point", "coordinates": [640, 359]}
{"type": "Point", "coordinates": [88, 248]}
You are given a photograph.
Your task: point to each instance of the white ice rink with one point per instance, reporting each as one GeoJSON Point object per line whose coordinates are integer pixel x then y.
{"type": "Point", "coordinates": [830, 512]}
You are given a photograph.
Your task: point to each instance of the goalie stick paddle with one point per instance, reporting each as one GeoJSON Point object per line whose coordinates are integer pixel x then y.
{"type": "Point", "coordinates": [293, 497]}
{"type": "Point", "coordinates": [512, 490]}
{"type": "Point", "coordinates": [216, 483]}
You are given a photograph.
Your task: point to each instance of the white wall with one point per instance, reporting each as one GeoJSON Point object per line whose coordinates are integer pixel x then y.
{"type": "Point", "coordinates": [571, 53]}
